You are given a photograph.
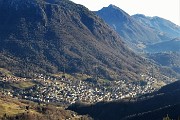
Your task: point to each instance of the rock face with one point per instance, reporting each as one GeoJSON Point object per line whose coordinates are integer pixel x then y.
{"type": "Point", "coordinates": [38, 36]}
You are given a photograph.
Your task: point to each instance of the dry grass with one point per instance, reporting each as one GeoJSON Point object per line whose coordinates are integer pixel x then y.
{"type": "Point", "coordinates": [159, 84]}
{"type": "Point", "coordinates": [14, 108]}
{"type": "Point", "coordinates": [10, 108]}
{"type": "Point", "coordinates": [5, 72]}
{"type": "Point", "coordinates": [23, 84]}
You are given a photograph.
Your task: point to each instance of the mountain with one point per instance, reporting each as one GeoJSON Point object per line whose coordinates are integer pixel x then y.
{"type": "Point", "coordinates": [160, 24]}
{"type": "Point", "coordinates": [167, 46]}
{"type": "Point", "coordinates": [133, 32]}
{"type": "Point", "coordinates": [169, 59]}
{"type": "Point", "coordinates": [141, 33]}
{"type": "Point", "coordinates": [43, 36]}
{"type": "Point", "coordinates": [154, 106]}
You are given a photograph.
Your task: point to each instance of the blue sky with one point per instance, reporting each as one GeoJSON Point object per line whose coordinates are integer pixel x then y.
{"type": "Point", "coordinates": [168, 9]}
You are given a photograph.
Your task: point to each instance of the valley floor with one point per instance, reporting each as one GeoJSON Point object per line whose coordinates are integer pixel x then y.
{"type": "Point", "coordinates": [66, 91]}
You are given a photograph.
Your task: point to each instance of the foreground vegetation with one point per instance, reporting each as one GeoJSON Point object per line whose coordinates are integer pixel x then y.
{"type": "Point", "coordinates": [14, 109]}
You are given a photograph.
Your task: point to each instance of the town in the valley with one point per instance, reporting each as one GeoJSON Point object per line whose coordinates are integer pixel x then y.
{"type": "Point", "coordinates": [67, 91]}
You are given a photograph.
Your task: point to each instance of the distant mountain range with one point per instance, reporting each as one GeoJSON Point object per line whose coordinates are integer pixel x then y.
{"type": "Point", "coordinates": [139, 31]}
{"type": "Point", "coordinates": [167, 46]}
{"type": "Point", "coordinates": [166, 28]}
{"type": "Point", "coordinates": [154, 106]}
{"type": "Point", "coordinates": [144, 34]}
{"type": "Point", "coordinates": [159, 24]}
{"type": "Point", "coordinates": [43, 36]}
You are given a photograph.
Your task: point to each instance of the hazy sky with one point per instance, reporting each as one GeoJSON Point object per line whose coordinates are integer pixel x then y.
{"type": "Point", "coordinates": [168, 9]}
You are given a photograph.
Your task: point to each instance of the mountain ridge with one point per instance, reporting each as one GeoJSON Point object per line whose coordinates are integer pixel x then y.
{"type": "Point", "coordinates": [158, 23]}
{"type": "Point", "coordinates": [47, 37]}
{"type": "Point", "coordinates": [134, 31]}
{"type": "Point", "coordinates": [167, 46]}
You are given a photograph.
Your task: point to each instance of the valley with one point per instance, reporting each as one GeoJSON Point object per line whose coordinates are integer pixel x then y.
{"type": "Point", "coordinates": [67, 91]}
{"type": "Point", "coordinates": [61, 61]}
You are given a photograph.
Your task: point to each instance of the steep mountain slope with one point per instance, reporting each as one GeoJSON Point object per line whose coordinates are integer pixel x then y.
{"type": "Point", "coordinates": [38, 36]}
{"type": "Point", "coordinates": [171, 112]}
{"type": "Point", "coordinates": [160, 24]}
{"type": "Point", "coordinates": [167, 46]}
{"type": "Point", "coordinates": [171, 109]}
{"type": "Point", "coordinates": [158, 104]}
{"type": "Point", "coordinates": [133, 32]}
{"type": "Point", "coordinates": [170, 59]}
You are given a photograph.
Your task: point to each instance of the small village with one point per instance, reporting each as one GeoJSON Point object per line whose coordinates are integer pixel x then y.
{"type": "Point", "coordinates": [65, 91]}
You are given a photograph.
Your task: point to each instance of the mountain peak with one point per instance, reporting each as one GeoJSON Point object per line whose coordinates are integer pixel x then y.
{"type": "Point", "coordinates": [138, 30]}
{"type": "Point", "coordinates": [139, 15]}
{"type": "Point", "coordinates": [113, 13]}
{"type": "Point", "coordinates": [113, 6]}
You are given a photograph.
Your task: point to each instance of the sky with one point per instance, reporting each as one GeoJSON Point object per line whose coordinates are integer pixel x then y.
{"type": "Point", "coordinates": [168, 9]}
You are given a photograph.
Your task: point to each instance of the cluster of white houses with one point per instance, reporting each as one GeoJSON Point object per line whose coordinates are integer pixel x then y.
{"type": "Point", "coordinates": [67, 91]}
